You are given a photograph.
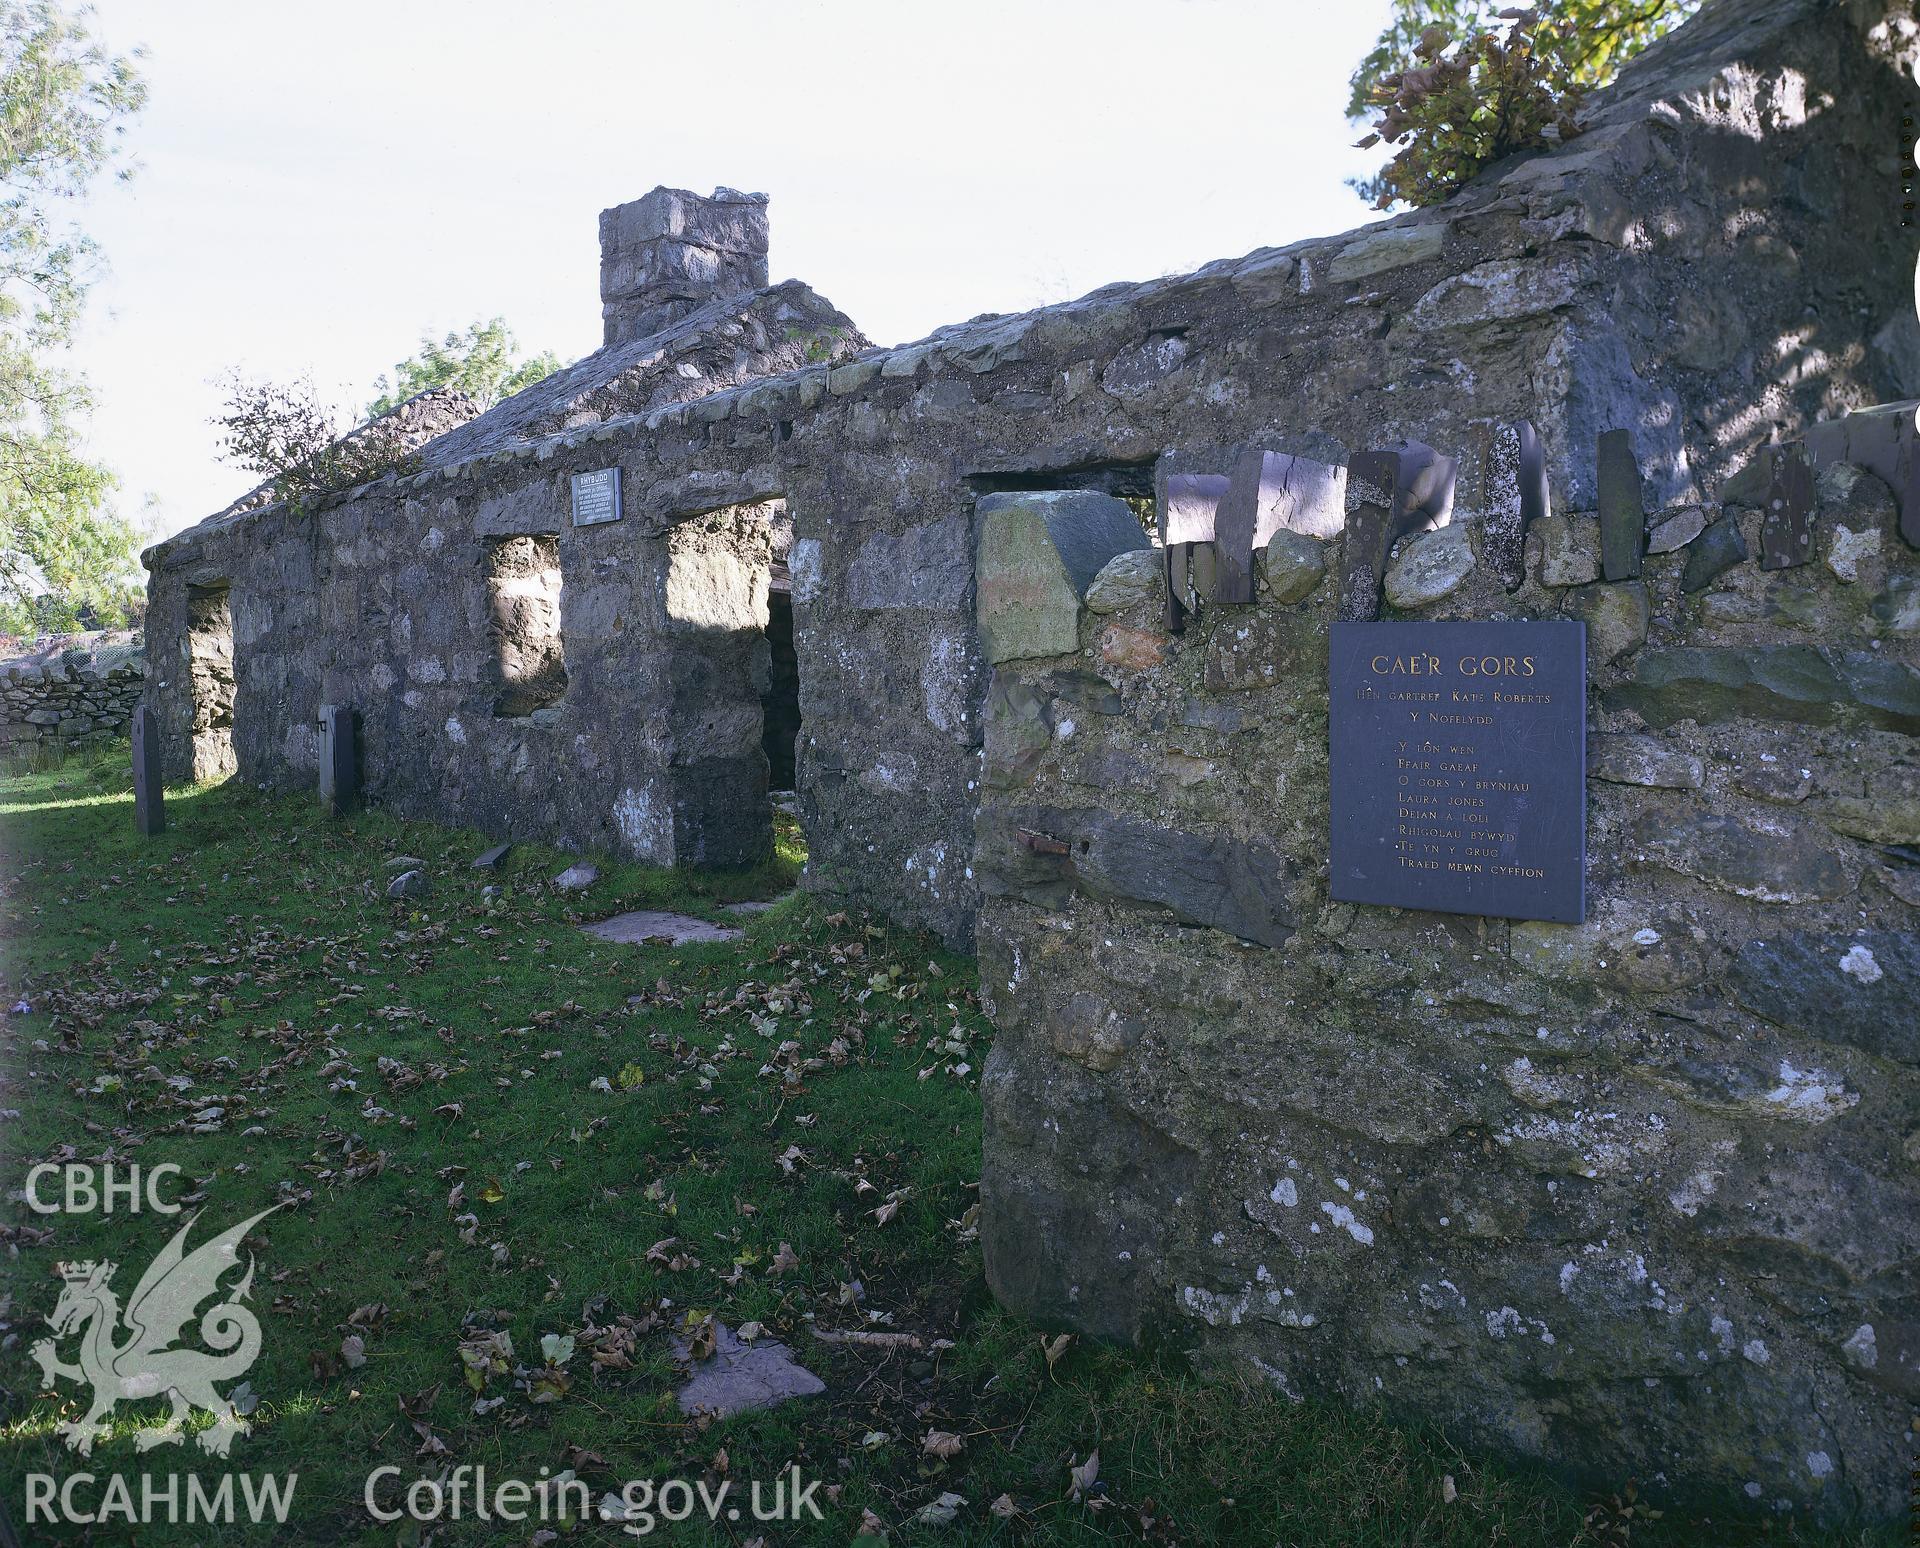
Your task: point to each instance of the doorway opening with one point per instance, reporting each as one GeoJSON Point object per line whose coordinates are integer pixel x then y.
{"type": "Point", "coordinates": [780, 701]}
{"type": "Point", "coordinates": [211, 681]}
{"type": "Point", "coordinates": [733, 674]}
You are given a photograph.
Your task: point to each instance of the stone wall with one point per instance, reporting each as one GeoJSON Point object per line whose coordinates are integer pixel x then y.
{"type": "Point", "coordinates": [511, 670]}
{"type": "Point", "coordinates": [1709, 204]}
{"type": "Point", "coordinates": [1635, 1196]}
{"type": "Point", "coordinates": [62, 703]}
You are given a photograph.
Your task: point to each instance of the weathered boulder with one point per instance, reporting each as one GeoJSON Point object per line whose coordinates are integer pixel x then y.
{"type": "Point", "coordinates": [1889, 812]}
{"type": "Point", "coordinates": [1130, 580]}
{"type": "Point", "coordinates": [1037, 554]}
{"type": "Point", "coordinates": [1387, 247]}
{"type": "Point", "coordinates": [1712, 554]}
{"type": "Point", "coordinates": [1897, 609]}
{"type": "Point", "coordinates": [1676, 529]}
{"type": "Point", "coordinates": [1291, 565]}
{"type": "Point", "coordinates": [1564, 550]}
{"type": "Point", "coordinates": [409, 884]}
{"type": "Point", "coordinates": [1781, 864]}
{"type": "Point", "coordinates": [1046, 1121]}
{"type": "Point", "coordinates": [1430, 566]}
{"type": "Point", "coordinates": [1262, 651]}
{"type": "Point", "coordinates": [923, 566]}
{"type": "Point", "coordinates": [1858, 515]}
{"type": "Point", "coordinates": [1643, 760]}
{"type": "Point", "coordinates": [1046, 854]}
{"type": "Point", "coordinates": [1616, 615]}
{"type": "Point", "coordinates": [1625, 946]}
{"type": "Point", "coordinates": [1018, 733]}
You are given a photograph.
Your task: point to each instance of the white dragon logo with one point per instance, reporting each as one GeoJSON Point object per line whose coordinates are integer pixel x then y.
{"type": "Point", "coordinates": [144, 1365]}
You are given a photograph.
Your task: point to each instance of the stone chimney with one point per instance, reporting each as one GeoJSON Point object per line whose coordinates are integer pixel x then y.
{"type": "Point", "coordinates": [667, 253]}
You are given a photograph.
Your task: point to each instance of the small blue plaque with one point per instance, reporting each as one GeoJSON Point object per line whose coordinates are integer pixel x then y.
{"type": "Point", "coordinates": [596, 497]}
{"type": "Point", "coordinates": [1458, 762]}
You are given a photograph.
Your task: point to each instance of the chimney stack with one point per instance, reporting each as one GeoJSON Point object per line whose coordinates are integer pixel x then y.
{"type": "Point", "coordinates": [672, 251]}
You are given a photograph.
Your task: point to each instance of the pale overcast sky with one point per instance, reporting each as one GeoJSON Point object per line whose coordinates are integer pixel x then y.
{"type": "Point", "coordinates": [320, 183]}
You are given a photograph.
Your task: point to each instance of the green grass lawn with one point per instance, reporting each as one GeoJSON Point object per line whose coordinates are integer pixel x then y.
{"type": "Point", "coordinates": [483, 1126]}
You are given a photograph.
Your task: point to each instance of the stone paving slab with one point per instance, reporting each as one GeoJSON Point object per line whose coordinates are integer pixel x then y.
{"type": "Point", "coordinates": [741, 1376]}
{"type": "Point", "coordinates": [650, 926]}
{"type": "Point", "coordinates": [755, 905]}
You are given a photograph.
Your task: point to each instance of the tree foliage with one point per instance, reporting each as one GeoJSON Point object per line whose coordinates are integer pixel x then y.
{"type": "Point", "coordinates": [1452, 113]}
{"type": "Point", "coordinates": [286, 434]}
{"type": "Point", "coordinates": [64, 105]}
{"type": "Point", "coordinates": [479, 360]}
{"type": "Point", "coordinates": [1457, 95]}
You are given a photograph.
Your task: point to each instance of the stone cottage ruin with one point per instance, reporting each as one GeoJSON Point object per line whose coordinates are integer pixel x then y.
{"type": "Point", "coordinates": [1636, 1196]}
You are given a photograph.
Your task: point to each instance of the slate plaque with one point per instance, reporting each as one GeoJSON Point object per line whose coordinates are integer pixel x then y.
{"type": "Point", "coordinates": [1459, 769]}
{"type": "Point", "coordinates": [596, 497]}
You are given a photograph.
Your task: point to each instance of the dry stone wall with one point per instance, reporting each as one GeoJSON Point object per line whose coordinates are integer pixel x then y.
{"type": "Point", "coordinates": [62, 703]}
{"type": "Point", "coordinates": [1636, 1196]}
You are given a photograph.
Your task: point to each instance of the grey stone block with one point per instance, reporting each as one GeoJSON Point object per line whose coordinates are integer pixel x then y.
{"type": "Point", "coordinates": [1292, 565]}
{"type": "Point", "coordinates": [1779, 866]}
{"type": "Point", "coordinates": [1813, 684]}
{"type": "Point", "coordinates": [922, 566]}
{"type": "Point", "coordinates": [1616, 615]}
{"type": "Point", "coordinates": [1037, 554]}
{"type": "Point", "coordinates": [1643, 760]}
{"type": "Point", "coordinates": [739, 1377]}
{"type": "Point", "coordinates": [1860, 988]}
{"type": "Point", "coordinates": [1214, 880]}
{"type": "Point", "coordinates": [1712, 554]}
